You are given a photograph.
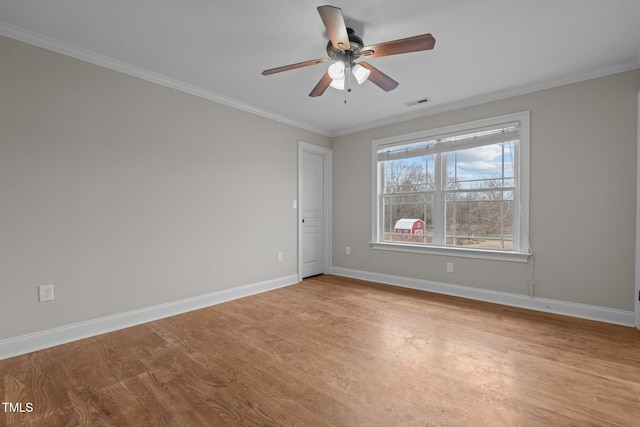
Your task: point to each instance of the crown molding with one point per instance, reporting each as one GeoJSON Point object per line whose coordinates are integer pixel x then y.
{"type": "Point", "coordinates": [67, 49]}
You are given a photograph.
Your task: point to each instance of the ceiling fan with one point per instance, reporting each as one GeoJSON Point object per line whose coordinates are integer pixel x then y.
{"type": "Point", "coordinates": [345, 47]}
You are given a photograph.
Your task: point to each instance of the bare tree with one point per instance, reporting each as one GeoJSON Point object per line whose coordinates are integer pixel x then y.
{"type": "Point", "coordinates": [482, 210]}
{"type": "Point", "coordinates": [405, 186]}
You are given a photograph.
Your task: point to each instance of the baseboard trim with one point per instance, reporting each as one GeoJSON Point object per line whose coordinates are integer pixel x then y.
{"type": "Point", "coordinates": [28, 343]}
{"type": "Point", "coordinates": [582, 311]}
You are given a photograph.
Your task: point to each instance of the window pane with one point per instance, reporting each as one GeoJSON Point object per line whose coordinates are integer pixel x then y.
{"type": "Point", "coordinates": [480, 167]}
{"type": "Point", "coordinates": [479, 219]}
{"type": "Point", "coordinates": [414, 174]}
{"type": "Point", "coordinates": [479, 200]}
{"type": "Point", "coordinates": [408, 218]}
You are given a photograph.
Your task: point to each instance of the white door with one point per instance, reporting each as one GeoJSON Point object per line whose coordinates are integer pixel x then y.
{"type": "Point", "coordinates": [312, 213]}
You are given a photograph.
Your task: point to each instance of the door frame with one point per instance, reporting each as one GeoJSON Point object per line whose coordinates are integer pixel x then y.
{"type": "Point", "coordinates": [327, 154]}
{"type": "Point", "coordinates": [636, 294]}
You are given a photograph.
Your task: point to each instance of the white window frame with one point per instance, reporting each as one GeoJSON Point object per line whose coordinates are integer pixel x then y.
{"type": "Point", "coordinates": [521, 250]}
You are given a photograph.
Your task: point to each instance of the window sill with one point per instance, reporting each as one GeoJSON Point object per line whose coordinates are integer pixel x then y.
{"type": "Point", "coordinates": [450, 251]}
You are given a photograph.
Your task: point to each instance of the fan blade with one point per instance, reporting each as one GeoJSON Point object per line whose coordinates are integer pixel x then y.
{"type": "Point", "coordinates": [294, 66]}
{"type": "Point", "coordinates": [379, 78]}
{"type": "Point", "coordinates": [395, 47]}
{"type": "Point", "coordinates": [336, 28]}
{"type": "Point", "coordinates": [322, 85]}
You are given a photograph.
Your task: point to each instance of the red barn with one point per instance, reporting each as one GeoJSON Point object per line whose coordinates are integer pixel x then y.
{"type": "Point", "coordinates": [409, 226]}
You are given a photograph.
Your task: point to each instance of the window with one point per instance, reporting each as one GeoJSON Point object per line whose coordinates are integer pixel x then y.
{"type": "Point", "coordinates": [461, 190]}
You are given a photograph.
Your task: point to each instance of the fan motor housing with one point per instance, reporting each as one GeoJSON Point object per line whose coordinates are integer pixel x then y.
{"type": "Point", "coordinates": [355, 45]}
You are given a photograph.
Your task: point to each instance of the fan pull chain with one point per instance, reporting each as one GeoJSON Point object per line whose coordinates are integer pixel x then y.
{"type": "Point", "coordinates": [348, 82]}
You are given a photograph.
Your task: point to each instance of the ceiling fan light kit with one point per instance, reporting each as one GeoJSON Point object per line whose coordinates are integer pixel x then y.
{"type": "Point", "coordinates": [345, 47]}
{"type": "Point", "coordinates": [337, 73]}
{"type": "Point", "coordinates": [336, 70]}
{"type": "Point", "coordinates": [337, 84]}
{"type": "Point", "coordinates": [360, 73]}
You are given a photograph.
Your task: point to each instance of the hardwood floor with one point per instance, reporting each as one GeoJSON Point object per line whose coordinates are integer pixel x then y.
{"type": "Point", "coordinates": [333, 351]}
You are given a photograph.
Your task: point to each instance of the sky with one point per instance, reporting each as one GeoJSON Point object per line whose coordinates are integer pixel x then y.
{"type": "Point", "coordinates": [484, 162]}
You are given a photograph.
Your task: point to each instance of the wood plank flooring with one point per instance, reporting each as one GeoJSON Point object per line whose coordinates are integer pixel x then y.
{"type": "Point", "coordinates": [333, 351]}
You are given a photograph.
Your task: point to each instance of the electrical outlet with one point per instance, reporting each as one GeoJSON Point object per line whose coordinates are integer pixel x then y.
{"type": "Point", "coordinates": [45, 293]}
{"type": "Point", "coordinates": [348, 250]}
{"type": "Point", "coordinates": [279, 256]}
{"type": "Point", "coordinates": [449, 267]}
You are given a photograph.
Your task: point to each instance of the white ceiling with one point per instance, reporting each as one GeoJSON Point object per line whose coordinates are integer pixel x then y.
{"type": "Point", "coordinates": [485, 50]}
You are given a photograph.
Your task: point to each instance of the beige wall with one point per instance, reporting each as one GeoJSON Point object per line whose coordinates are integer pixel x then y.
{"type": "Point", "coordinates": [582, 204]}
{"type": "Point", "coordinates": [125, 194]}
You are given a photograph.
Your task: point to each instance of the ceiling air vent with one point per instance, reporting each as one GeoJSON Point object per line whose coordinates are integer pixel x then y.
{"type": "Point", "coordinates": [420, 101]}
